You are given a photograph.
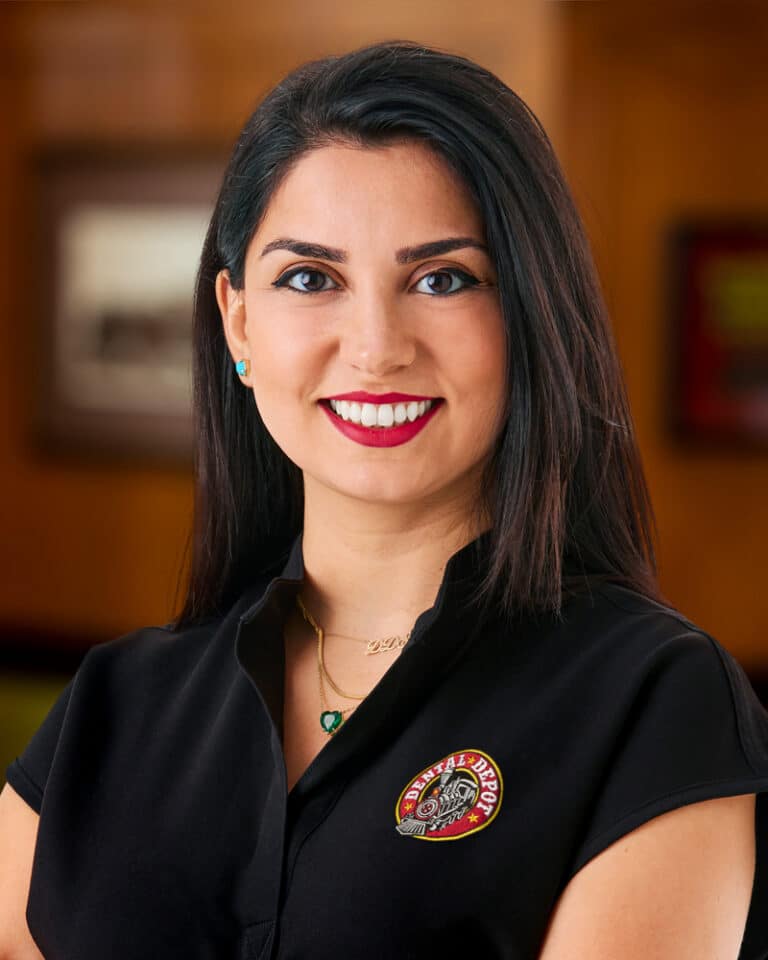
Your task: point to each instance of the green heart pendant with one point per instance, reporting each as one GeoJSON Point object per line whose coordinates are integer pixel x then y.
{"type": "Point", "coordinates": [330, 720]}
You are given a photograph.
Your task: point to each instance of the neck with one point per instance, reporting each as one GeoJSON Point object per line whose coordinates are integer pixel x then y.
{"type": "Point", "coordinates": [371, 574]}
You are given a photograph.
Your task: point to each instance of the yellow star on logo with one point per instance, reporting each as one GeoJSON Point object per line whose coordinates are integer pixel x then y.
{"type": "Point", "coordinates": [408, 806]}
{"type": "Point", "coordinates": [473, 818]}
{"type": "Point", "coordinates": [470, 759]}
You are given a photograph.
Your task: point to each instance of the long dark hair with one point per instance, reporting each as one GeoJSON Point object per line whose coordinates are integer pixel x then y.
{"type": "Point", "coordinates": [564, 484]}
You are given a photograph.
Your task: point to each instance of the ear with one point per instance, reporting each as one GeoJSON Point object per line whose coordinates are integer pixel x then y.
{"type": "Point", "coordinates": [232, 309]}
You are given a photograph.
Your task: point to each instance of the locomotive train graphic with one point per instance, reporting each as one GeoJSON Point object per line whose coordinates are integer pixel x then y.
{"type": "Point", "coordinates": [456, 796]}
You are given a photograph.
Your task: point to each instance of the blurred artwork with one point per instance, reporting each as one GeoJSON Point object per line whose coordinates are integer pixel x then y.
{"type": "Point", "coordinates": [124, 325]}
{"type": "Point", "coordinates": [125, 237]}
{"type": "Point", "coordinates": [720, 304]}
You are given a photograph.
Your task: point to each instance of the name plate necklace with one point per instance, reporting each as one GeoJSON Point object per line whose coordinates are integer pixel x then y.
{"type": "Point", "coordinates": [331, 720]}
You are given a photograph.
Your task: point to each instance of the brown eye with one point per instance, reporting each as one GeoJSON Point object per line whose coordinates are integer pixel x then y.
{"type": "Point", "coordinates": [311, 281]}
{"type": "Point", "coordinates": [444, 282]}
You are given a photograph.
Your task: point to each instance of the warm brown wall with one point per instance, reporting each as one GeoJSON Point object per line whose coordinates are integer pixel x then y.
{"type": "Point", "coordinates": [92, 550]}
{"type": "Point", "coordinates": [664, 114]}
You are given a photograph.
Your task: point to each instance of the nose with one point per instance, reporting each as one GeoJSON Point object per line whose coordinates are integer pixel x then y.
{"type": "Point", "coordinates": [374, 338]}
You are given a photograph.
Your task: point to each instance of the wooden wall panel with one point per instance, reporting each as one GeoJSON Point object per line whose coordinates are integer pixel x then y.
{"type": "Point", "coordinates": [664, 117]}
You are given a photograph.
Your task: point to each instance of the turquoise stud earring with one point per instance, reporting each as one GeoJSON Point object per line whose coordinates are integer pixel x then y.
{"type": "Point", "coordinates": [242, 367]}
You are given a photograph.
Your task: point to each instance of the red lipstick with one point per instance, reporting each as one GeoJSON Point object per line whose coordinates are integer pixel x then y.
{"type": "Point", "coordinates": [380, 436]}
{"type": "Point", "coordinates": [362, 397]}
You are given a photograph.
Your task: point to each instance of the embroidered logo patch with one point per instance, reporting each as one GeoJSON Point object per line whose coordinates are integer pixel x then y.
{"type": "Point", "coordinates": [458, 795]}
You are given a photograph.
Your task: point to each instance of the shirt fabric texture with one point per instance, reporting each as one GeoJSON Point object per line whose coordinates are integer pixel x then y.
{"type": "Point", "coordinates": [527, 746]}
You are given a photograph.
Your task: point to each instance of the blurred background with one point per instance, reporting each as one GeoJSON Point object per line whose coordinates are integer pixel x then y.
{"type": "Point", "coordinates": [116, 121]}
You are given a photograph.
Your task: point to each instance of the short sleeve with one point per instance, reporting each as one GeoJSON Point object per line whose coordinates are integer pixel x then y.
{"type": "Point", "coordinates": [28, 773]}
{"type": "Point", "coordinates": [696, 730]}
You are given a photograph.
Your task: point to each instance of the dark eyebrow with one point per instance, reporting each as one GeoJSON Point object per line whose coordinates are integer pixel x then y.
{"type": "Point", "coordinates": [404, 255]}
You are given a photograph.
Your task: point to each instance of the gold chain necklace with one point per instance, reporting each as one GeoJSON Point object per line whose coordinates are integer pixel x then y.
{"type": "Point", "coordinates": [331, 720]}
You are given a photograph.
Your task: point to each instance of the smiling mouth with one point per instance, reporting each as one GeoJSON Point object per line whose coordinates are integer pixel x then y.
{"type": "Point", "coordinates": [382, 415]}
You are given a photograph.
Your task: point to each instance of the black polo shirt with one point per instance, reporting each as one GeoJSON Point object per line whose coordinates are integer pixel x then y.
{"type": "Point", "coordinates": [447, 814]}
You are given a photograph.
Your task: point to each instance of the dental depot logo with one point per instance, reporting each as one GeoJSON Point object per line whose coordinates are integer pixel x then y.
{"type": "Point", "coordinates": [454, 797]}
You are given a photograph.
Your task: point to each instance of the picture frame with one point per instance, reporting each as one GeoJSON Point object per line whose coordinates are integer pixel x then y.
{"type": "Point", "coordinates": [121, 233]}
{"type": "Point", "coordinates": [718, 320]}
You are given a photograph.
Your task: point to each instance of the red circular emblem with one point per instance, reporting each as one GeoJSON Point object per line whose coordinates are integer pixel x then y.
{"type": "Point", "coordinates": [458, 795]}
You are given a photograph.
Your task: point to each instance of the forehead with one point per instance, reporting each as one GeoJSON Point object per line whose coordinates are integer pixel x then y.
{"type": "Point", "coordinates": [405, 189]}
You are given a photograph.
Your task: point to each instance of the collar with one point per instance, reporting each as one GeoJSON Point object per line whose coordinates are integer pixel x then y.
{"type": "Point", "coordinates": [463, 572]}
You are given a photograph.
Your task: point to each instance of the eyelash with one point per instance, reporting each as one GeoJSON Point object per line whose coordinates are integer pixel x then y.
{"type": "Point", "coordinates": [467, 278]}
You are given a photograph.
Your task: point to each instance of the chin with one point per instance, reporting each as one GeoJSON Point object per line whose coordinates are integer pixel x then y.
{"type": "Point", "coordinates": [381, 490]}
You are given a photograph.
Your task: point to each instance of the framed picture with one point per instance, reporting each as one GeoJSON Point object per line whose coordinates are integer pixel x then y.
{"type": "Point", "coordinates": [121, 236]}
{"type": "Point", "coordinates": [719, 316]}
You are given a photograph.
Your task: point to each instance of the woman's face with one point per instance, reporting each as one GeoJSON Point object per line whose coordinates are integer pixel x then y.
{"type": "Point", "coordinates": [342, 294]}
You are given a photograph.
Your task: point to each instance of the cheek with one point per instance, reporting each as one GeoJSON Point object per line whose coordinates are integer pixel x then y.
{"type": "Point", "coordinates": [281, 355]}
{"type": "Point", "coordinates": [478, 357]}
{"type": "Point", "coordinates": [287, 367]}
{"type": "Point", "coordinates": [276, 378]}
{"type": "Point", "coordinates": [483, 386]}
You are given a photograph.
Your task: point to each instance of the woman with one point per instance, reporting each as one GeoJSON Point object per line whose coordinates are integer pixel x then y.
{"type": "Point", "coordinates": [423, 692]}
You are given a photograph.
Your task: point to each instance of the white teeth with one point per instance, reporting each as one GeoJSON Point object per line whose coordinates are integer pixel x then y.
{"type": "Point", "coordinates": [368, 415]}
{"type": "Point", "coordinates": [386, 415]}
{"type": "Point", "coordinates": [380, 414]}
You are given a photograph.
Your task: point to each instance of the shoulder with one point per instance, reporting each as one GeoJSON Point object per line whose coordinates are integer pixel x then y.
{"type": "Point", "coordinates": [600, 632]}
{"type": "Point", "coordinates": [622, 648]}
{"type": "Point", "coordinates": [150, 658]}
{"type": "Point", "coordinates": [613, 607]}
{"type": "Point", "coordinates": [163, 654]}
{"type": "Point", "coordinates": [610, 644]}
{"type": "Point", "coordinates": [150, 672]}
{"type": "Point", "coordinates": [152, 647]}
{"type": "Point", "coordinates": [132, 695]}
{"type": "Point", "coordinates": [661, 712]}
{"type": "Point", "coordinates": [628, 681]}
{"type": "Point", "coordinates": [614, 628]}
